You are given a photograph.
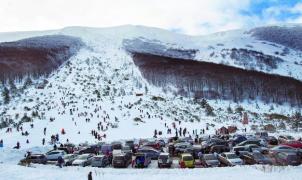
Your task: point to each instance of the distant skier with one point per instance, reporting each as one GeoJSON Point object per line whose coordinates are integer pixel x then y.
{"type": "Point", "coordinates": [90, 175]}
{"type": "Point", "coordinates": [17, 146]}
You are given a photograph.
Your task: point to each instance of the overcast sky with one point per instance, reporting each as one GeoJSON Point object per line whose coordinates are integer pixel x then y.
{"type": "Point", "coordinates": [184, 16]}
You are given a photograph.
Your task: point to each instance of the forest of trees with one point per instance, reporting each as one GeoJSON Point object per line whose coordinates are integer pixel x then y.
{"type": "Point", "coordinates": [216, 81]}
{"type": "Point", "coordinates": [35, 56]}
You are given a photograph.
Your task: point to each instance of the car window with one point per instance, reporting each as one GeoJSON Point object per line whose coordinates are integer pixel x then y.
{"type": "Point", "coordinates": [210, 157]}
{"type": "Point", "coordinates": [232, 156]}
{"type": "Point", "coordinates": [187, 158]}
{"type": "Point", "coordinates": [282, 155]}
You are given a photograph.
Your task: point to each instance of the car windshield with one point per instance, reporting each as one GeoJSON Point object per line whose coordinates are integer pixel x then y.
{"type": "Point", "coordinates": [232, 156]}
{"type": "Point", "coordinates": [119, 158]}
{"type": "Point", "coordinates": [187, 158]}
{"type": "Point", "coordinates": [98, 158]}
{"type": "Point", "coordinates": [126, 148]}
{"type": "Point", "coordinates": [68, 156]}
{"type": "Point", "coordinates": [209, 157]}
{"type": "Point", "coordinates": [289, 137]}
{"type": "Point", "coordinates": [281, 147]}
{"type": "Point", "coordinates": [258, 156]}
{"type": "Point", "coordinates": [84, 156]}
{"type": "Point", "coordinates": [163, 157]}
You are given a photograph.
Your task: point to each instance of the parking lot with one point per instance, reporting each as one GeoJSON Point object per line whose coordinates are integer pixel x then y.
{"type": "Point", "coordinates": [177, 152]}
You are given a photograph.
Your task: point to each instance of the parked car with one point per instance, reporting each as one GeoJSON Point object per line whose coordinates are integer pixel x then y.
{"type": "Point", "coordinates": [196, 149]}
{"type": "Point", "coordinates": [250, 141]}
{"type": "Point", "coordinates": [186, 161]}
{"type": "Point", "coordinates": [153, 144]}
{"type": "Point", "coordinates": [286, 158]}
{"type": "Point", "coordinates": [106, 149]}
{"type": "Point", "coordinates": [238, 148]}
{"type": "Point", "coordinates": [141, 160]}
{"type": "Point", "coordinates": [285, 138]}
{"type": "Point", "coordinates": [100, 161]}
{"type": "Point", "coordinates": [230, 159]}
{"type": "Point", "coordinates": [127, 150]}
{"type": "Point", "coordinates": [117, 145]}
{"type": "Point", "coordinates": [55, 154]}
{"type": "Point", "coordinates": [254, 147]}
{"type": "Point", "coordinates": [238, 139]}
{"type": "Point", "coordinates": [206, 145]}
{"type": "Point", "coordinates": [210, 160]}
{"type": "Point", "coordinates": [282, 148]}
{"type": "Point", "coordinates": [130, 143]}
{"type": "Point", "coordinates": [83, 160]}
{"type": "Point", "coordinates": [219, 149]}
{"type": "Point", "coordinates": [150, 152]}
{"type": "Point", "coordinates": [164, 160]}
{"type": "Point", "coordinates": [69, 158]}
{"type": "Point", "coordinates": [88, 150]}
{"type": "Point", "coordinates": [121, 160]}
{"type": "Point", "coordinates": [271, 140]}
{"type": "Point", "coordinates": [183, 148]}
{"type": "Point", "coordinates": [262, 134]}
{"type": "Point", "coordinates": [64, 149]}
{"type": "Point", "coordinates": [36, 158]}
{"type": "Point", "coordinates": [256, 158]}
{"type": "Point", "coordinates": [293, 144]}
{"type": "Point", "coordinates": [161, 142]}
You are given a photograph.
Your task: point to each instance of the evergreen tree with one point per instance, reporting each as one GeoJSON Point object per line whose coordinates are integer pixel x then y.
{"type": "Point", "coordinates": [230, 110]}
{"type": "Point", "coordinates": [27, 82]}
{"type": "Point", "coordinates": [12, 86]}
{"type": "Point", "coordinates": [209, 110]}
{"type": "Point", "coordinates": [297, 120]}
{"type": "Point", "coordinates": [5, 95]}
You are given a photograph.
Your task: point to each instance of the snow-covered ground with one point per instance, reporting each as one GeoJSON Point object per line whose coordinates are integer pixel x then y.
{"type": "Point", "coordinates": [100, 83]}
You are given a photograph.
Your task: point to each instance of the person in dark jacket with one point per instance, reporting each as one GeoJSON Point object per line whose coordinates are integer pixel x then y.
{"type": "Point", "coordinates": [60, 161]}
{"type": "Point", "coordinates": [90, 175]}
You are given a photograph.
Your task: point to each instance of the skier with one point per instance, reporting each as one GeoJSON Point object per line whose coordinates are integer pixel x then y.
{"type": "Point", "coordinates": [1, 143]}
{"type": "Point", "coordinates": [43, 141]}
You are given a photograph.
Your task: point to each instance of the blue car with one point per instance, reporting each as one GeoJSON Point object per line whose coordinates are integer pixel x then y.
{"type": "Point", "coordinates": [141, 160]}
{"type": "Point", "coordinates": [150, 152]}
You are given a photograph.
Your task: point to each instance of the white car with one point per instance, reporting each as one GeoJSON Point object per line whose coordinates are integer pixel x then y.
{"type": "Point", "coordinates": [55, 154]}
{"type": "Point", "coordinates": [230, 159]}
{"type": "Point", "coordinates": [83, 160]}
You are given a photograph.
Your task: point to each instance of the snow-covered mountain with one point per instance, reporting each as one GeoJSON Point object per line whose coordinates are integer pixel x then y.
{"type": "Point", "coordinates": [102, 84]}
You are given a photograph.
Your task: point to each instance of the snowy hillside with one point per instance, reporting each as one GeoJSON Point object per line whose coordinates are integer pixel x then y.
{"type": "Point", "coordinates": [102, 85]}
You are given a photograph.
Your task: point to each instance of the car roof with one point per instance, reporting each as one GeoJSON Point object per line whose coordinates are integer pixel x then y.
{"type": "Point", "coordinates": [100, 156]}
{"type": "Point", "coordinates": [186, 154]}
{"type": "Point", "coordinates": [164, 154]}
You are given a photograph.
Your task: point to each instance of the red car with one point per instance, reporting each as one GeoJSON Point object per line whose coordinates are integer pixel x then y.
{"type": "Point", "coordinates": [153, 144]}
{"type": "Point", "coordinates": [294, 144]}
